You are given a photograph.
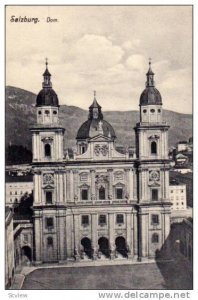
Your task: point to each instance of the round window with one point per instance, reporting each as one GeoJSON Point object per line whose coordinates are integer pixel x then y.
{"type": "Point", "coordinates": [159, 110]}
{"type": "Point", "coordinates": [39, 112]}
{"type": "Point", "coordinates": [152, 111]}
{"type": "Point", "coordinates": [144, 111]}
{"type": "Point", "coordinates": [54, 112]}
{"type": "Point", "coordinates": [47, 112]}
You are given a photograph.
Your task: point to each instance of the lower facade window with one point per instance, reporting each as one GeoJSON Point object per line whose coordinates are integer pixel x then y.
{"type": "Point", "coordinates": [102, 193]}
{"type": "Point", "coordinates": [155, 238]}
{"type": "Point", "coordinates": [85, 220]}
{"type": "Point", "coordinates": [119, 193]}
{"type": "Point", "coordinates": [155, 219]}
{"type": "Point", "coordinates": [84, 194]}
{"type": "Point", "coordinates": [102, 220]}
{"type": "Point", "coordinates": [119, 219]}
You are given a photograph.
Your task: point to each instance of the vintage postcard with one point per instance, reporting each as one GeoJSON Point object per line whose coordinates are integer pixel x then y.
{"type": "Point", "coordinates": [99, 149]}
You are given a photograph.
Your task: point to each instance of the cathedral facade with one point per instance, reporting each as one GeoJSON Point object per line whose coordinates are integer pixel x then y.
{"type": "Point", "coordinates": [100, 204]}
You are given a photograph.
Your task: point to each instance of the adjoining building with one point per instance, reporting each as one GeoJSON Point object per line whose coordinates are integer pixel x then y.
{"type": "Point", "coordinates": [178, 196]}
{"type": "Point", "coordinates": [101, 203]}
{"type": "Point", "coordinates": [17, 188]}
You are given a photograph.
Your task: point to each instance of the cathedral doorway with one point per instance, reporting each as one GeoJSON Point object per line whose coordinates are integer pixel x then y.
{"type": "Point", "coordinates": [121, 246]}
{"type": "Point", "coordinates": [86, 243]}
{"type": "Point", "coordinates": [26, 255]}
{"type": "Point", "coordinates": [104, 246]}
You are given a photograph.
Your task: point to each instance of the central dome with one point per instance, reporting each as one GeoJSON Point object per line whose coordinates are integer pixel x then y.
{"type": "Point", "coordinates": [90, 128]}
{"type": "Point", "coordinates": [95, 124]}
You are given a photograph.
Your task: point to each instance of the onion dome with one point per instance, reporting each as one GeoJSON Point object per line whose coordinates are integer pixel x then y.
{"type": "Point", "coordinates": [47, 96]}
{"type": "Point", "coordinates": [150, 95]}
{"type": "Point", "coordinates": [95, 124]}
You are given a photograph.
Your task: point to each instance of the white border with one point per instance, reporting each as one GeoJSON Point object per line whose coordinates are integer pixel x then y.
{"type": "Point", "coordinates": [63, 294]}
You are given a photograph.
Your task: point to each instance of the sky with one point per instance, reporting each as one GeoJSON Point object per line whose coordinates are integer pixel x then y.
{"type": "Point", "coordinates": [103, 48]}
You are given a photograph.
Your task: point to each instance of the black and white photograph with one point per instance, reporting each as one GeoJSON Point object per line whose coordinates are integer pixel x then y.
{"type": "Point", "coordinates": [99, 148]}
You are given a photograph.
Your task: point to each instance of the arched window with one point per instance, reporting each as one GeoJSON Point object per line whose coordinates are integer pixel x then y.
{"type": "Point", "coordinates": [153, 148]}
{"type": "Point", "coordinates": [155, 238]}
{"type": "Point", "coordinates": [102, 193]}
{"type": "Point", "coordinates": [47, 150]}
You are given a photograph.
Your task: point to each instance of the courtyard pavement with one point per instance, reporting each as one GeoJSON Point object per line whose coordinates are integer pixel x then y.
{"type": "Point", "coordinates": [175, 274]}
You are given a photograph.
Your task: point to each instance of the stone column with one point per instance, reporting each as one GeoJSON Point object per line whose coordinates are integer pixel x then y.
{"type": "Point", "coordinates": [135, 235]}
{"type": "Point", "coordinates": [143, 251]}
{"type": "Point", "coordinates": [76, 237]}
{"type": "Point", "coordinates": [94, 235]}
{"type": "Point", "coordinates": [75, 183]}
{"type": "Point", "coordinates": [110, 192]}
{"type": "Point", "coordinates": [64, 188]}
{"type": "Point", "coordinates": [129, 234]}
{"type": "Point", "coordinates": [93, 188]}
{"type": "Point", "coordinates": [134, 185]}
{"type": "Point", "coordinates": [71, 186]}
{"type": "Point", "coordinates": [68, 192]}
{"type": "Point", "coordinates": [38, 239]}
{"type": "Point", "coordinates": [111, 225]}
{"type": "Point", "coordinates": [127, 185]}
{"type": "Point", "coordinates": [62, 237]}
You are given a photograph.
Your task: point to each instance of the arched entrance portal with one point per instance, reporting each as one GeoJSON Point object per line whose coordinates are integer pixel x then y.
{"type": "Point", "coordinates": [26, 255]}
{"type": "Point", "coordinates": [121, 246]}
{"type": "Point", "coordinates": [86, 243]}
{"type": "Point", "coordinates": [104, 246]}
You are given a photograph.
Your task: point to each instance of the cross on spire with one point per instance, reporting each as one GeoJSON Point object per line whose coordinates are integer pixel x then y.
{"type": "Point", "coordinates": [150, 60]}
{"type": "Point", "coordinates": [94, 94]}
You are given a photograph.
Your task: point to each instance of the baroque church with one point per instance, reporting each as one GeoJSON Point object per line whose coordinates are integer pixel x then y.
{"type": "Point", "coordinates": [99, 204]}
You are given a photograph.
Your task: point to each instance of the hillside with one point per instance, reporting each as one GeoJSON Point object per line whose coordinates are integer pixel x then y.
{"type": "Point", "coordinates": [20, 114]}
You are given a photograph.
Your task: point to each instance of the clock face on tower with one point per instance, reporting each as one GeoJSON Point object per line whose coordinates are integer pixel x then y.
{"type": "Point", "coordinates": [48, 178]}
{"type": "Point", "coordinates": [154, 175]}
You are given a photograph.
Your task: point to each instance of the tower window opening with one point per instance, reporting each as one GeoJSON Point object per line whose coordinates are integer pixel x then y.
{"type": "Point", "coordinates": [49, 197]}
{"type": "Point", "coordinates": [50, 241]}
{"type": "Point", "coordinates": [49, 223]}
{"type": "Point", "coordinates": [102, 193]}
{"type": "Point", "coordinates": [154, 194]}
{"type": "Point", "coordinates": [153, 148]}
{"type": "Point", "coordinates": [47, 150]}
{"type": "Point", "coordinates": [83, 149]}
{"type": "Point", "coordinates": [159, 110]}
{"type": "Point", "coordinates": [155, 238]}
{"type": "Point", "coordinates": [155, 219]}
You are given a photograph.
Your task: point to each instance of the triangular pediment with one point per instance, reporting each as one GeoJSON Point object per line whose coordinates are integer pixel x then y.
{"type": "Point", "coordinates": [154, 184]}
{"type": "Point", "coordinates": [48, 187]}
{"type": "Point", "coordinates": [100, 138]}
